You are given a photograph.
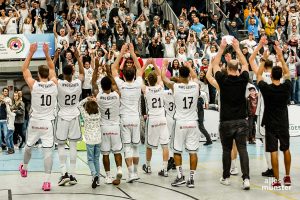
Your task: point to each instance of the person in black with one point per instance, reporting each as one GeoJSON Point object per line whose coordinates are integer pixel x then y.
{"type": "Point", "coordinates": [233, 123]}
{"type": "Point", "coordinates": [275, 119]}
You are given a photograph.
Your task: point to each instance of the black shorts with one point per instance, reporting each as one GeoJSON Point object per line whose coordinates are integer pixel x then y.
{"type": "Point", "coordinates": [272, 137]}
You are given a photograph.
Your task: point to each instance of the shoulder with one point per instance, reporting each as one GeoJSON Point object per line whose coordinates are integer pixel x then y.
{"type": "Point", "coordinates": [245, 74]}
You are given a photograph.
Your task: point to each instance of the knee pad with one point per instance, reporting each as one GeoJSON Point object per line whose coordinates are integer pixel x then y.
{"type": "Point", "coordinates": [128, 153]}
{"type": "Point", "coordinates": [135, 152]}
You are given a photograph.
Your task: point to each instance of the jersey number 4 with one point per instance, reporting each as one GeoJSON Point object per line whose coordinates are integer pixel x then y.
{"type": "Point", "coordinates": [188, 100]}
{"type": "Point", "coordinates": [70, 100]}
{"type": "Point", "coordinates": [107, 113]}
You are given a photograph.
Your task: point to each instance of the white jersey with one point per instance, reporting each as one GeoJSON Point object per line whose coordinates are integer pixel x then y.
{"type": "Point", "coordinates": [43, 100]}
{"type": "Point", "coordinates": [154, 97]}
{"type": "Point", "coordinates": [61, 40]}
{"type": "Point", "coordinates": [169, 103]}
{"type": "Point", "coordinates": [186, 98]}
{"type": "Point", "coordinates": [68, 98]}
{"type": "Point", "coordinates": [130, 96]}
{"type": "Point", "coordinates": [88, 75]}
{"type": "Point", "coordinates": [109, 108]}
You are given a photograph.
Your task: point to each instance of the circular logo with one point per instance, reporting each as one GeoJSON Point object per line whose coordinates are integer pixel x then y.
{"type": "Point", "coordinates": [15, 44]}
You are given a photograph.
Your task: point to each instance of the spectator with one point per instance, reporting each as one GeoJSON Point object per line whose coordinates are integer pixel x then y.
{"type": "Point", "coordinates": [18, 108]}
{"type": "Point", "coordinates": [3, 115]}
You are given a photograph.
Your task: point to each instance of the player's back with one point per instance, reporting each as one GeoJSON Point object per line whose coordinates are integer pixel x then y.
{"type": "Point", "coordinates": [155, 101]}
{"type": "Point", "coordinates": [109, 108]}
{"type": "Point", "coordinates": [68, 98]}
{"type": "Point", "coordinates": [169, 103]}
{"type": "Point", "coordinates": [186, 97]}
{"type": "Point", "coordinates": [43, 100]}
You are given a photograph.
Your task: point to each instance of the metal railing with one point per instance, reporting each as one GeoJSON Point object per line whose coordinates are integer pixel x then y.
{"type": "Point", "coordinates": [169, 14]}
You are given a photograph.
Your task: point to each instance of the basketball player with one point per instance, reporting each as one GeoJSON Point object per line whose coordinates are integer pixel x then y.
{"type": "Point", "coordinates": [260, 105]}
{"type": "Point", "coordinates": [187, 134]}
{"type": "Point", "coordinates": [130, 90]}
{"type": "Point", "coordinates": [67, 124]}
{"type": "Point", "coordinates": [43, 103]}
{"type": "Point", "coordinates": [156, 125]}
{"type": "Point", "coordinates": [109, 103]}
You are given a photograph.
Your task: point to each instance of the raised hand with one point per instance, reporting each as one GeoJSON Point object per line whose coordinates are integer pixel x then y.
{"type": "Point", "coordinates": [124, 48]}
{"type": "Point", "coordinates": [235, 43]}
{"type": "Point", "coordinates": [33, 48]}
{"type": "Point", "coordinates": [266, 54]}
{"type": "Point", "coordinates": [223, 44]}
{"type": "Point", "coordinates": [131, 48]}
{"type": "Point", "coordinates": [263, 40]}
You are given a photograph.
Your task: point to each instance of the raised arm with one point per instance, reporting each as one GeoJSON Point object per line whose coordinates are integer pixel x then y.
{"type": "Point", "coordinates": [210, 78]}
{"type": "Point", "coordinates": [285, 69]}
{"type": "Point", "coordinates": [215, 62]}
{"type": "Point", "coordinates": [165, 79]}
{"type": "Point", "coordinates": [80, 63]}
{"type": "Point", "coordinates": [242, 59]}
{"type": "Point", "coordinates": [137, 64]}
{"type": "Point", "coordinates": [52, 74]}
{"type": "Point", "coordinates": [157, 72]}
{"type": "Point", "coordinates": [25, 68]}
{"type": "Point", "coordinates": [54, 28]}
{"type": "Point", "coordinates": [252, 58]}
{"type": "Point", "coordinates": [192, 72]}
{"type": "Point", "coordinates": [115, 66]}
{"type": "Point", "coordinates": [262, 66]}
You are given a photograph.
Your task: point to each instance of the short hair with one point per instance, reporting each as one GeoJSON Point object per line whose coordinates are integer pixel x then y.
{"type": "Point", "coordinates": [129, 73]}
{"type": "Point", "coordinates": [276, 73]}
{"type": "Point", "coordinates": [5, 88]}
{"type": "Point", "coordinates": [106, 83]}
{"type": "Point", "coordinates": [184, 72]}
{"type": "Point", "coordinates": [268, 63]}
{"type": "Point", "coordinates": [43, 71]}
{"type": "Point", "coordinates": [91, 107]}
{"type": "Point", "coordinates": [232, 65]}
{"type": "Point", "coordinates": [68, 70]}
{"type": "Point", "coordinates": [152, 79]}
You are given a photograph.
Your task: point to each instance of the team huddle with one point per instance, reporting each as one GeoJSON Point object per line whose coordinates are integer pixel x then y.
{"type": "Point", "coordinates": [112, 118]}
{"type": "Point", "coordinates": [112, 121]}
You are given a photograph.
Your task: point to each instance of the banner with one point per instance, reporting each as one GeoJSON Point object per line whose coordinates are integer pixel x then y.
{"type": "Point", "coordinates": [211, 123]}
{"type": "Point", "coordinates": [294, 113]}
{"type": "Point", "coordinates": [16, 46]}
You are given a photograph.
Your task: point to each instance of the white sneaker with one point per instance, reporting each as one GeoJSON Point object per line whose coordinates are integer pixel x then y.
{"type": "Point", "coordinates": [246, 184]}
{"type": "Point", "coordinates": [108, 180]}
{"type": "Point", "coordinates": [225, 181]}
{"type": "Point", "coordinates": [234, 171]}
{"type": "Point", "coordinates": [16, 147]}
{"type": "Point", "coordinates": [135, 176]}
{"type": "Point", "coordinates": [130, 178]}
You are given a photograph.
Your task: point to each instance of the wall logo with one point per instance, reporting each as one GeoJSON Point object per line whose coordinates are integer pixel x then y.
{"type": "Point", "coordinates": [16, 44]}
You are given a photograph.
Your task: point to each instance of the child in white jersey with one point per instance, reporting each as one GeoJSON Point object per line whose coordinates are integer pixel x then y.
{"type": "Point", "coordinates": [92, 135]}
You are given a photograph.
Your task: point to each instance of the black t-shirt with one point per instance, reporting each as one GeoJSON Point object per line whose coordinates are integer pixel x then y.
{"type": "Point", "coordinates": [276, 99]}
{"type": "Point", "coordinates": [232, 95]}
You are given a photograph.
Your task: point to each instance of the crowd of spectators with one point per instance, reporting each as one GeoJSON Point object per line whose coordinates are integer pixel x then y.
{"type": "Point", "coordinates": [99, 28]}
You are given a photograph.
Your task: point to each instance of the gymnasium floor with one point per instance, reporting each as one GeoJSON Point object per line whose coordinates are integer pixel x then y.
{"type": "Point", "coordinates": [207, 185]}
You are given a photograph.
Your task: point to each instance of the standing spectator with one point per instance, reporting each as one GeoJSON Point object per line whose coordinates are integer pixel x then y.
{"type": "Point", "coordinates": [18, 108]}
{"type": "Point", "coordinates": [3, 115]}
{"type": "Point", "coordinates": [37, 11]}
{"type": "Point", "coordinates": [12, 22]}
{"type": "Point", "coordinates": [169, 47]}
{"type": "Point", "coordinates": [250, 43]}
{"type": "Point", "coordinates": [252, 23]}
{"type": "Point", "coordinates": [62, 37]}
{"type": "Point", "coordinates": [155, 49]}
{"type": "Point", "coordinates": [40, 26]}
{"type": "Point", "coordinates": [197, 26]}
{"type": "Point", "coordinates": [10, 128]}
{"type": "Point", "coordinates": [252, 100]}
{"type": "Point", "coordinates": [27, 27]}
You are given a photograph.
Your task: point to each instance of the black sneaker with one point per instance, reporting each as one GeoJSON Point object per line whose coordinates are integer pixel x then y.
{"type": "Point", "coordinates": [171, 163]}
{"type": "Point", "coordinates": [64, 179]}
{"type": "Point", "coordinates": [190, 184]}
{"type": "Point", "coordinates": [95, 182]}
{"type": "Point", "coordinates": [163, 173]}
{"type": "Point", "coordinates": [73, 180]}
{"type": "Point", "coordinates": [4, 148]}
{"type": "Point", "coordinates": [268, 173]}
{"type": "Point", "coordinates": [10, 151]}
{"type": "Point", "coordinates": [178, 181]}
{"type": "Point", "coordinates": [207, 143]}
{"type": "Point", "coordinates": [147, 169]}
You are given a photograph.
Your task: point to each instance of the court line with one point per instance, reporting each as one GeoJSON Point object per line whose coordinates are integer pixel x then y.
{"type": "Point", "coordinates": [9, 196]}
{"type": "Point", "coordinates": [125, 193]}
{"type": "Point", "coordinates": [80, 193]}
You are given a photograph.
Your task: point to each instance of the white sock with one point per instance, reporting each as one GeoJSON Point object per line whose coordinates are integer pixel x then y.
{"type": "Point", "coordinates": [47, 177]}
{"type": "Point", "coordinates": [165, 165]}
{"type": "Point", "coordinates": [108, 174]}
{"type": "Point", "coordinates": [135, 168]}
{"type": "Point", "coordinates": [192, 174]}
{"type": "Point", "coordinates": [268, 159]}
{"type": "Point", "coordinates": [130, 169]}
{"type": "Point", "coordinates": [148, 163]}
{"type": "Point", "coordinates": [179, 171]}
{"type": "Point", "coordinates": [233, 163]}
{"type": "Point", "coordinates": [25, 166]}
{"type": "Point", "coordinates": [119, 168]}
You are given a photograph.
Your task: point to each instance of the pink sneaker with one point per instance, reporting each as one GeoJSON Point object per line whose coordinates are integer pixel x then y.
{"type": "Point", "coordinates": [46, 186]}
{"type": "Point", "coordinates": [23, 172]}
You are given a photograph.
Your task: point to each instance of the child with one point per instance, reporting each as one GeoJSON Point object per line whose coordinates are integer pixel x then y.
{"type": "Point", "coordinates": [40, 26]}
{"type": "Point", "coordinates": [252, 104]}
{"type": "Point", "coordinates": [92, 135]}
{"type": "Point", "coordinates": [10, 126]}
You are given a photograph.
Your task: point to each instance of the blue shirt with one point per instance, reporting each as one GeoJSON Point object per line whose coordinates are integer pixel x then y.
{"type": "Point", "coordinates": [197, 27]}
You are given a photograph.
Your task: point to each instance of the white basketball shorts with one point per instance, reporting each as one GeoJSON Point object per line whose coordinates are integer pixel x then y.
{"type": "Point", "coordinates": [67, 130]}
{"type": "Point", "coordinates": [111, 139]}
{"type": "Point", "coordinates": [157, 132]}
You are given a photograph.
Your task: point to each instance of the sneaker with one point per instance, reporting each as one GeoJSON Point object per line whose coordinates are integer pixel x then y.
{"type": "Point", "coordinates": [94, 183]}
{"type": "Point", "coordinates": [190, 184]}
{"type": "Point", "coordinates": [135, 176]}
{"type": "Point", "coordinates": [207, 143]}
{"type": "Point", "coordinates": [268, 173]}
{"type": "Point", "coordinates": [178, 181]}
{"type": "Point", "coordinates": [163, 173]}
{"type": "Point", "coordinates": [10, 151]}
{"type": "Point", "coordinates": [171, 163]}
{"type": "Point", "coordinates": [234, 171]}
{"type": "Point", "coordinates": [4, 148]}
{"type": "Point", "coordinates": [276, 183]}
{"type": "Point", "coordinates": [64, 179]}
{"type": "Point", "coordinates": [46, 186]}
{"type": "Point", "coordinates": [73, 180]}
{"type": "Point", "coordinates": [246, 184]}
{"type": "Point", "coordinates": [130, 178]}
{"type": "Point", "coordinates": [108, 180]}
{"type": "Point", "coordinates": [117, 181]}
{"type": "Point", "coordinates": [287, 181]}
{"type": "Point", "coordinates": [147, 169]}
{"type": "Point", "coordinates": [98, 181]}
{"type": "Point", "coordinates": [225, 181]}
{"type": "Point", "coordinates": [23, 172]}
{"type": "Point", "coordinates": [16, 147]}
